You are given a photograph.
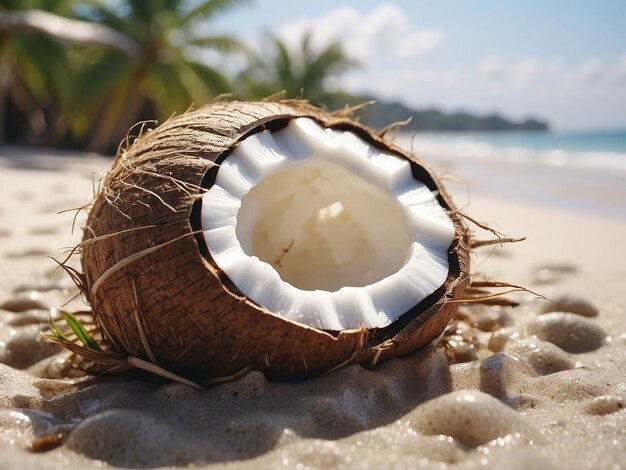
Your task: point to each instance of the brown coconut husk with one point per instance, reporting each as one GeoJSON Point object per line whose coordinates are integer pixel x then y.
{"type": "Point", "coordinates": [157, 295]}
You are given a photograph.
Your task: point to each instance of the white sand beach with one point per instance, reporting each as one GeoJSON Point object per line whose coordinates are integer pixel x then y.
{"type": "Point", "coordinates": [547, 387]}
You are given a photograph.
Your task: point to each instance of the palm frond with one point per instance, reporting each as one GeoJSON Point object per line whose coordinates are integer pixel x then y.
{"type": "Point", "coordinates": [210, 78]}
{"type": "Point", "coordinates": [169, 93]}
{"type": "Point", "coordinates": [288, 76]}
{"type": "Point", "coordinates": [92, 84]}
{"type": "Point", "coordinates": [209, 8]}
{"type": "Point", "coordinates": [105, 14]}
{"type": "Point", "coordinates": [331, 61]}
{"type": "Point", "coordinates": [220, 43]}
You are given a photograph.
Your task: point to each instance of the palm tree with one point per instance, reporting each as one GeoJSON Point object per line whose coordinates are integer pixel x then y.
{"type": "Point", "coordinates": [32, 66]}
{"type": "Point", "coordinates": [140, 58]}
{"type": "Point", "coordinates": [115, 86]}
{"type": "Point", "coordinates": [301, 74]}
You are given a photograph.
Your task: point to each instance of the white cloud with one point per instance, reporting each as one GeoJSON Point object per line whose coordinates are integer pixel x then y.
{"type": "Point", "coordinates": [526, 70]}
{"type": "Point", "coordinates": [397, 62]}
{"type": "Point", "coordinates": [394, 83]}
{"type": "Point", "coordinates": [619, 74]}
{"type": "Point", "coordinates": [554, 67]}
{"type": "Point", "coordinates": [590, 71]}
{"type": "Point", "coordinates": [567, 94]}
{"type": "Point", "coordinates": [517, 74]}
{"type": "Point", "coordinates": [494, 68]}
{"type": "Point", "coordinates": [384, 30]}
{"type": "Point", "coordinates": [532, 71]}
{"type": "Point", "coordinates": [419, 43]}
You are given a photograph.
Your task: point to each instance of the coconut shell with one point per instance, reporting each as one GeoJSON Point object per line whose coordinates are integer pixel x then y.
{"type": "Point", "coordinates": [156, 293]}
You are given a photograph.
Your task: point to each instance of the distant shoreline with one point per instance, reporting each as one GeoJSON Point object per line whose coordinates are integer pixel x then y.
{"type": "Point", "coordinates": [380, 113]}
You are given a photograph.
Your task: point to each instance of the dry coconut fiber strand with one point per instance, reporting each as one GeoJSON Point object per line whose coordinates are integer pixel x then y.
{"type": "Point", "coordinates": [270, 236]}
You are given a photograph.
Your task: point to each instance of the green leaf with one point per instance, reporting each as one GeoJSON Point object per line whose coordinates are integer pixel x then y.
{"type": "Point", "coordinates": [104, 13]}
{"type": "Point", "coordinates": [94, 83]}
{"type": "Point", "coordinates": [330, 61]}
{"type": "Point", "coordinates": [80, 332]}
{"type": "Point", "coordinates": [210, 77]}
{"type": "Point", "coordinates": [57, 331]}
{"type": "Point", "coordinates": [208, 8]}
{"type": "Point", "coordinates": [287, 70]}
{"type": "Point", "coordinates": [169, 92]}
{"type": "Point", "coordinates": [220, 43]}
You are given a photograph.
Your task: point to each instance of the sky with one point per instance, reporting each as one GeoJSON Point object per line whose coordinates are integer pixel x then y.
{"type": "Point", "coordinates": [564, 61]}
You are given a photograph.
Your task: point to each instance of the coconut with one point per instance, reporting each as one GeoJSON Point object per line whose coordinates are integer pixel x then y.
{"type": "Point", "coordinates": [271, 236]}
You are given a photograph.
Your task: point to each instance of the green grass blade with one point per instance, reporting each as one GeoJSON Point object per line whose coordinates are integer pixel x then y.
{"type": "Point", "coordinates": [80, 332]}
{"type": "Point", "coordinates": [57, 331]}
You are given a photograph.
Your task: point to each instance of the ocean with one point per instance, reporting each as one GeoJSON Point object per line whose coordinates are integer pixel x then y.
{"type": "Point", "coordinates": [583, 172]}
{"type": "Point", "coordinates": [589, 149]}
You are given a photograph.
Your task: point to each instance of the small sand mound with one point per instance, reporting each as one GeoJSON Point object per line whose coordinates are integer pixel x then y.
{"type": "Point", "coordinates": [568, 331]}
{"type": "Point", "coordinates": [566, 302]}
{"type": "Point", "coordinates": [472, 417]}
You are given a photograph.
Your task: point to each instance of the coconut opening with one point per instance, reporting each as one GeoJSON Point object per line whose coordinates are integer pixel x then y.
{"type": "Point", "coordinates": [322, 227]}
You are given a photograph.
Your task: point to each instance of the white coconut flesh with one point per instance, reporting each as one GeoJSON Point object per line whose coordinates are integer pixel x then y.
{"type": "Point", "coordinates": [322, 228]}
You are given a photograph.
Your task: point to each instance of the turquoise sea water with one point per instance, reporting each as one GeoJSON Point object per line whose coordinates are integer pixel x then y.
{"type": "Point", "coordinates": [582, 172]}
{"type": "Point", "coordinates": [597, 141]}
{"type": "Point", "coordinates": [590, 149]}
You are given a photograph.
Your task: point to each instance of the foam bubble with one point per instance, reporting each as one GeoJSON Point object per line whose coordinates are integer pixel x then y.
{"type": "Point", "coordinates": [501, 337]}
{"type": "Point", "coordinates": [23, 302]}
{"type": "Point", "coordinates": [492, 319]}
{"type": "Point", "coordinates": [472, 417]}
{"type": "Point", "coordinates": [23, 346]}
{"type": "Point", "coordinates": [571, 385]}
{"type": "Point", "coordinates": [127, 438]}
{"type": "Point", "coordinates": [567, 302]}
{"type": "Point", "coordinates": [568, 331]}
{"type": "Point", "coordinates": [541, 356]}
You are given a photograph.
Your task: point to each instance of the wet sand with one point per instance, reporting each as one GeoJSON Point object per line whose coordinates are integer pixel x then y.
{"type": "Point", "coordinates": [543, 385]}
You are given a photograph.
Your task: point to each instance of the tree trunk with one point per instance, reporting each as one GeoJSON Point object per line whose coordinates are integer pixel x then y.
{"type": "Point", "coordinates": [5, 83]}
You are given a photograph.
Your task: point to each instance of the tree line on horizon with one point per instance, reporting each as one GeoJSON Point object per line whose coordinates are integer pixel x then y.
{"type": "Point", "coordinates": [80, 73]}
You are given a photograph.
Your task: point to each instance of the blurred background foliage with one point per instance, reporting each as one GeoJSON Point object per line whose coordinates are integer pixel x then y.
{"type": "Point", "coordinates": [79, 73]}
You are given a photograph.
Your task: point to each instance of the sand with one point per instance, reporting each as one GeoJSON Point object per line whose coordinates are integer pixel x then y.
{"type": "Point", "coordinates": [543, 385]}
